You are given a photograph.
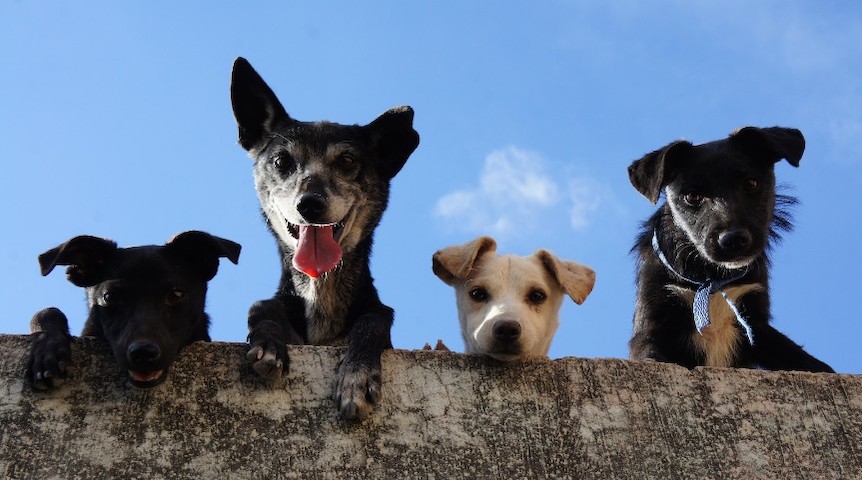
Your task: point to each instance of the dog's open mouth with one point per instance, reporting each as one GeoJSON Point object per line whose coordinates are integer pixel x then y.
{"type": "Point", "coordinates": [147, 379]}
{"type": "Point", "coordinates": [317, 250]}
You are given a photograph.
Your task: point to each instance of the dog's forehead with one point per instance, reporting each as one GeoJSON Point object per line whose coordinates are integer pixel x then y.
{"type": "Point", "coordinates": [511, 270]}
{"type": "Point", "coordinates": [724, 153]}
{"type": "Point", "coordinates": [145, 263]}
{"type": "Point", "coordinates": [317, 137]}
{"type": "Point", "coordinates": [720, 163]}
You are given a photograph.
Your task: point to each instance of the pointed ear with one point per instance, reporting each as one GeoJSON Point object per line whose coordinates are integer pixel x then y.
{"type": "Point", "coordinates": [393, 139]}
{"type": "Point", "coordinates": [577, 280]}
{"type": "Point", "coordinates": [86, 256]}
{"type": "Point", "coordinates": [650, 174]}
{"type": "Point", "coordinates": [772, 143]}
{"type": "Point", "coordinates": [203, 251]}
{"type": "Point", "coordinates": [255, 107]}
{"type": "Point", "coordinates": [453, 264]}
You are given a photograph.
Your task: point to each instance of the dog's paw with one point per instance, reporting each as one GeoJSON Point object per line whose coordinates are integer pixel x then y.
{"type": "Point", "coordinates": [358, 390]}
{"type": "Point", "coordinates": [269, 360]}
{"type": "Point", "coordinates": [50, 360]}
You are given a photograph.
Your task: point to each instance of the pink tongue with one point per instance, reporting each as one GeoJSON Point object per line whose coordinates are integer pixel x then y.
{"type": "Point", "coordinates": [317, 252]}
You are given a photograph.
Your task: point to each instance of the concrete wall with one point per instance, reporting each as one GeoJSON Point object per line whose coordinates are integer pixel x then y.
{"type": "Point", "coordinates": [443, 415]}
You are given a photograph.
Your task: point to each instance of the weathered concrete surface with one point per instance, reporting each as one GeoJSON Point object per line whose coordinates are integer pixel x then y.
{"type": "Point", "coordinates": [443, 415]}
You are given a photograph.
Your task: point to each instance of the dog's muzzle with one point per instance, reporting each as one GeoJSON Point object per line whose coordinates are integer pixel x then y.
{"type": "Point", "coordinates": [143, 373]}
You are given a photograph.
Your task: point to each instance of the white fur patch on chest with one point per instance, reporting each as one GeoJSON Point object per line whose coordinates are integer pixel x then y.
{"type": "Point", "coordinates": [325, 314]}
{"type": "Point", "coordinates": [720, 340]}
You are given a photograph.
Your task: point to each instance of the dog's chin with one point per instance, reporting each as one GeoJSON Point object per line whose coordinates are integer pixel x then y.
{"type": "Point", "coordinates": [737, 264]}
{"type": "Point", "coordinates": [504, 352]}
{"type": "Point", "coordinates": [504, 357]}
{"type": "Point", "coordinates": [145, 379]}
{"type": "Point", "coordinates": [733, 264]}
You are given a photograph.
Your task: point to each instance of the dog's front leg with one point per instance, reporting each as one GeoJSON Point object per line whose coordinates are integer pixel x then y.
{"type": "Point", "coordinates": [50, 353]}
{"type": "Point", "coordinates": [663, 331]}
{"type": "Point", "coordinates": [774, 351]}
{"type": "Point", "coordinates": [269, 331]}
{"type": "Point", "coordinates": [359, 375]}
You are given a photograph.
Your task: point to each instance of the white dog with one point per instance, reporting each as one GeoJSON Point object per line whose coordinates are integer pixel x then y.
{"type": "Point", "coordinates": [508, 306]}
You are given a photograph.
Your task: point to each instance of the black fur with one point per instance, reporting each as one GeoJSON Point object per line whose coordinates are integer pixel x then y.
{"type": "Point", "coordinates": [304, 173]}
{"type": "Point", "coordinates": [145, 302]}
{"type": "Point", "coordinates": [720, 215]}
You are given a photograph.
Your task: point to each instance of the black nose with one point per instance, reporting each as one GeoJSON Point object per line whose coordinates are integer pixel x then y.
{"type": "Point", "coordinates": [735, 240]}
{"type": "Point", "coordinates": [507, 330]}
{"type": "Point", "coordinates": [143, 352]}
{"type": "Point", "coordinates": [312, 206]}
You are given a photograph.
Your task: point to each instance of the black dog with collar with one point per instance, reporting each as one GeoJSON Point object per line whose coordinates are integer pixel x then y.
{"type": "Point", "coordinates": [703, 279]}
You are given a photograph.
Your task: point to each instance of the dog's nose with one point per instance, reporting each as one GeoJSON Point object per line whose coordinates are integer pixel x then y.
{"type": "Point", "coordinates": [507, 330]}
{"type": "Point", "coordinates": [312, 206]}
{"type": "Point", "coordinates": [734, 240]}
{"type": "Point", "coordinates": [142, 352]}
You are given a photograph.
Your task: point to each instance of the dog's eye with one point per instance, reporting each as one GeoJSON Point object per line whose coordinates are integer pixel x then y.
{"type": "Point", "coordinates": [751, 185]}
{"type": "Point", "coordinates": [346, 162]}
{"type": "Point", "coordinates": [282, 161]}
{"type": "Point", "coordinates": [175, 295]}
{"type": "Point", "coordinates": [693, 200]}
{"type": "Point", "coordinates": [112, 299]}
{"type": "Point", "coordinates": [536, 297]}
{"type": "Point", "coordinates": [479, 294]}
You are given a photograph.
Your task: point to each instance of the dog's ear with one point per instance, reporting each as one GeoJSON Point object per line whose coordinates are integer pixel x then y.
{"type": "Point", "coordinates": [651, 173]}
{"type": "Point", "coordinates": [772, 143]}
{"type": "Point", "coordinates": [203, 251]}
{"type": "Point", "coordinates": [453, 264]}
{"type": "Point", "coordinates": [393, 139]}
{"type": "Point", "coordinates": [577, 280]}
{"type": "Point", "coordinates": [255, 106]}
{"type": "Point", "coordinates": [86, 256]}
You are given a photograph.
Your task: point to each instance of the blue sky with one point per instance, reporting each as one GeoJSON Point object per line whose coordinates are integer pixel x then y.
{"type": "Point", "coordinates": [116, 122]}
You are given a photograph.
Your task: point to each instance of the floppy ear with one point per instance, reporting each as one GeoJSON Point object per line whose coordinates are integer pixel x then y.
{"type": "Point", "coordinates": [577, 280]}
{"type": "Point", "coordinates": [393, 139]}
{"type": "Point", "coordinates": [203, 251]}
{"type": "Point", "coordinates": [649, 174]}
{"type": "Point", "coordinates": [86, 256]}
{"type": "Point", "coordinates": [255, 106]}
{"type": "Point", "coordinates": [772, 143]}
{"type": "Point", "coordinates": [453, 264]}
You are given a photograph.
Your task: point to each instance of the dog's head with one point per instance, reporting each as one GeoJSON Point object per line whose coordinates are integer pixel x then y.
{"type": "Point", "coordinates": [721, 194]}
{"type": "Point", "coordinates": [508, 305]}
{"type": "Point", "coordinates": [322, 186]}
{"type": "Point", "coordinates": [148, 302]}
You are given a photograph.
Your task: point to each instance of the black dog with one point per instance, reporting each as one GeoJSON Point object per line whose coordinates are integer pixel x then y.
{"type": "Point", "coordinates": [146, 302]}
{"type": "Point", "coordinates": [703, 280]}
{"type": "Point", "coordinates": [323, 188]}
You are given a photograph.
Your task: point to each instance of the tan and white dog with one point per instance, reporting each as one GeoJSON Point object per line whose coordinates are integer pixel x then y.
{"type": "Point", "coordinates": [508, 306]}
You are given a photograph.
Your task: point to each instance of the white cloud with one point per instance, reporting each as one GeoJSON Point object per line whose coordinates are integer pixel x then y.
{"type": "Point", "coordinates": [516, 194]}
{"type": "Point", "coordinates": [516, 176]}
{"type": "Point", "coordinates": [586, 196]}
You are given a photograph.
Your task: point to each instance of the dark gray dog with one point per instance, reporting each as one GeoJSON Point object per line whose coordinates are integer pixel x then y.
{"type": "Point", "coordinates": [145, 302]}
{"type": "Point", "coordinates": [323, 188]}
{"type": "Point", "coordinates": [703, 279]}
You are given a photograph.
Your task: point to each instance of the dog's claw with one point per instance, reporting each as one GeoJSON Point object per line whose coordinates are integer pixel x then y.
{"type": "Point", "coordinates": [254, 354]}
{"type": "Point", "coordinates": [268, 370]}
{"type": "Point", "coordinates": [266, 363]}
{"type": "Point", "coordinates": [358, 390]}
